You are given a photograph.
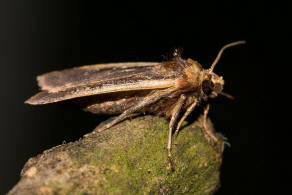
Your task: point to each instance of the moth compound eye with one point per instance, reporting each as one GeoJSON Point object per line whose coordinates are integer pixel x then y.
{"type": "Point", "coordinates": [207, 87]}
{"type": "Point", "coordinates": [218, 88]}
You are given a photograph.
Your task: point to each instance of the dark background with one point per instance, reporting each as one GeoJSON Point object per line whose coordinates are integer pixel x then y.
{"type": "Point", "coordinates": [41, 36]}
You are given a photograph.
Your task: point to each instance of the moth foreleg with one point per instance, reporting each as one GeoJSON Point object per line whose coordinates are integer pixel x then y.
{"type": "Point", "coordinates": [174, 117]}
{"type": "Point", "coordinates": [186, 114]}
{"type": "Point", "coordinates": [210, 136]}
{"type": "Point", "coordinates": [209, 133]}
{"type": "Point", "coordinates": [150, 99]}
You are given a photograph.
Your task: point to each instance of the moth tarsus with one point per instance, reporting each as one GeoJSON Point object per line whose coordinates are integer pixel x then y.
{"type": "Point", "coordinates": [131, 88]}
{"type": "Point", "coordinates": [210, 136]}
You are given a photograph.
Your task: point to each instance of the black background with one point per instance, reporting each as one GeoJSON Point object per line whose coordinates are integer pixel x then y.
{"type": "Point", "coordinates": [41, 36]}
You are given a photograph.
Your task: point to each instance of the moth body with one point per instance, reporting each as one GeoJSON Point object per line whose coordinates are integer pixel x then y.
{"type": "Point", "coordinates": [165, 88]}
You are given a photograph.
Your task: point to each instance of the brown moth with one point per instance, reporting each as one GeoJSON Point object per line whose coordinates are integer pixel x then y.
{"type": "Point", "coordinates": [130, 88]}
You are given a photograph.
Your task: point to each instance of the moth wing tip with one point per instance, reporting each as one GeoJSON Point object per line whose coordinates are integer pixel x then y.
{"type": "Point", "coordinates": [37, 99]}
{"type": "Point", "coordinates": [31, 101]}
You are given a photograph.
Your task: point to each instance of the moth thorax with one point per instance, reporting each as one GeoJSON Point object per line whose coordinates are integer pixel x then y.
{"type": "Point", "coordinates": [193, 72]}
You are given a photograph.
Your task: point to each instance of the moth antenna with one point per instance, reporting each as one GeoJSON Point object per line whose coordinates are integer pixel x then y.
{"type": "Point", "coordinates": [221, 51]}
{"type": "Point", "coordinates": [227, 95]}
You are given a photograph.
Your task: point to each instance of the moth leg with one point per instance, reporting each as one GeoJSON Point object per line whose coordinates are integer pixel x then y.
{"type": "Point", "coordinates": [150, 99]}
{"type": "Point", "coordinates": [112, 118]}
{"type": "Point", "coordinates": [186, 114]}
{"type": "Point", "coordinates": [174, 117]}
{"type": "Point", "coordinates": [210, 136]}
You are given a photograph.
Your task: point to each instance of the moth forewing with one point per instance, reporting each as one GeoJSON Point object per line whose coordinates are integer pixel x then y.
{"type": "Point", "coordinates": [100, 79]}
{"type": "Point", "coordinates": [46, 97]}
{"type": "Point", "coordinates": [89, 74]}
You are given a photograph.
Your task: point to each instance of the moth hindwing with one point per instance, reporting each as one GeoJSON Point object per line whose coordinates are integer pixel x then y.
{"type": "Point", "coordinates": [130, 88]}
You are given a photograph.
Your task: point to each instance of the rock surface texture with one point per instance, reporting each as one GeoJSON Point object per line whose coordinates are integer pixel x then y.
{"type": "Point", "coordinates": [129, 158]}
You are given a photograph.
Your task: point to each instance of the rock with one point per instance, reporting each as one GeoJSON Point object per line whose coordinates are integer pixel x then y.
{"type": "Point", "coordinates": [129, 158]}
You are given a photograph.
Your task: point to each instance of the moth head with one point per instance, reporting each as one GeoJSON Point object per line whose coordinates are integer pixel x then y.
{"type": "Point", "coordinates": [212, 84]}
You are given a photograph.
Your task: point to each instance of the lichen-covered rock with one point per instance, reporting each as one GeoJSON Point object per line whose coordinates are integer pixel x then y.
{"type": "Point", "coordinates": [129, 158]}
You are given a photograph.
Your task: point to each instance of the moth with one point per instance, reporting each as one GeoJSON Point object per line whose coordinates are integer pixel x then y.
{"type": "Point", "coordinates": [130, 88]}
